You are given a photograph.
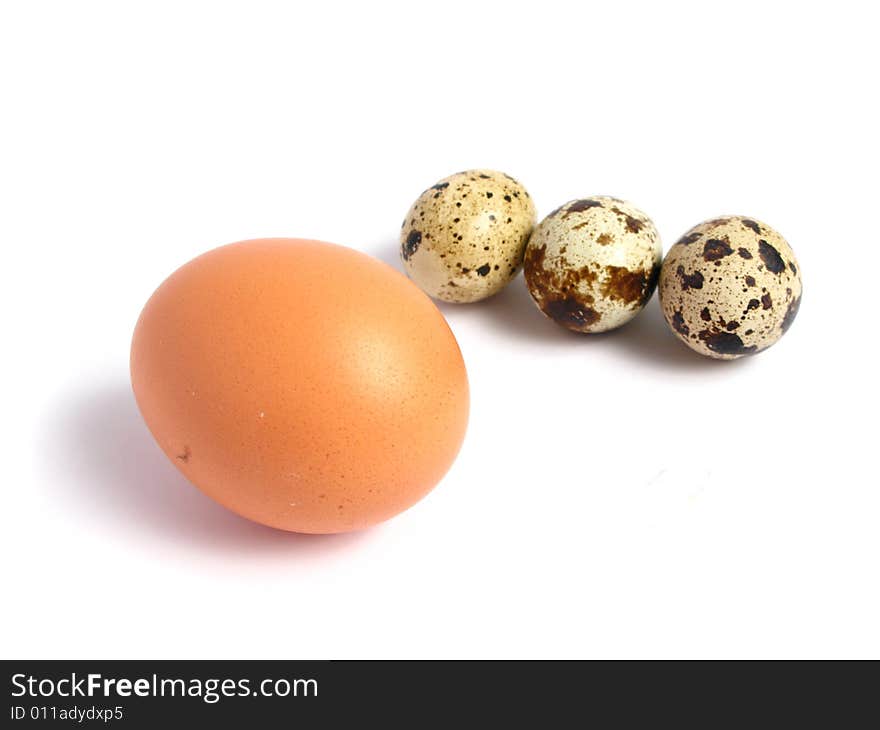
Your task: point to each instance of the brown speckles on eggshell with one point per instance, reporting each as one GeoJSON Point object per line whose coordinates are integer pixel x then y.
{"type": "Point", "coordinates": [690, 238]}
{"type": "Point", "coordinates": [624, 285]}
{"type": "Point", "coordinates": [791, 313]}
{"type": "Point", "coordinates": [726, 343]}
{"type": "Point", "coordinates": [410, 244]}
{"type": "Point", "coordinates": [579, 206]}
{"type": "Point", "coordinates": [771, 258]}
{"type": "Point", "coordinates": [716, 248]}
{"type": "Point", "coordinates": [689, 281]}
{"type": "Point", "coordinates": [678, 324]}
{"type": "Point", "coordinates": [633, 224]}
{"type": "Point", "coordinates": [572, 312]}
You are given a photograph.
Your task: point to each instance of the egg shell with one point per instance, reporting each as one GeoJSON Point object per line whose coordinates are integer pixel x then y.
{"type": "Point", "coordinates": [592, 264]}
{"type": "Point", "coordinates": [301, 384]}
{"type": "Point", "coordinates": [730, 287]}
{"type": "Point", "coordinates": [463, 239]}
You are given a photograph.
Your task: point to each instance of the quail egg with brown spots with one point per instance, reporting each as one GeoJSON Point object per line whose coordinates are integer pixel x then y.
{"type": "Point", "coordinates": [463, 239]}
{"type": "Point", "coordinates": [592, 264]}
{"type": "Point", "coordinates": [730, 287]}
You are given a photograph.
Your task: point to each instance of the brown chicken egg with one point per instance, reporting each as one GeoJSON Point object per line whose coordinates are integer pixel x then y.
{"type": "Point", "coordinates": [303, 385]}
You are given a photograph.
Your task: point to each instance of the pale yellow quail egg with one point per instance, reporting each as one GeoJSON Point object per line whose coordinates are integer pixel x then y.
{"type": "Point", "coordinates": [730, 287]}
{"type": "Point", "coordinates": [463, 239]}
{"type": "Point", "coordinates": [592, 264]}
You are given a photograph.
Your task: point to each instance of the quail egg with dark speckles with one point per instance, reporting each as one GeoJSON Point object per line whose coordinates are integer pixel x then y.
{"type": "Point", "coordinates": [592, 264]}
{"type": "Point", "coordinates": [463, 239]}
{"type": "Point", "coordinates": [730, 287]}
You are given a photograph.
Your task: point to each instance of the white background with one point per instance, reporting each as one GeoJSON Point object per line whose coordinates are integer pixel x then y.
{"type": "Point", "coordinates": [616, 496]}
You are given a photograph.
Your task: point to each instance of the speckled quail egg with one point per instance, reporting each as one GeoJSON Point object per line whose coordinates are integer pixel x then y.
{"type": "Point", "coordinates": [592, 264]}
{"type": "Point", "coordinates": [730, 287]}
{"type": "Point", "coordinates": [463, 239]}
